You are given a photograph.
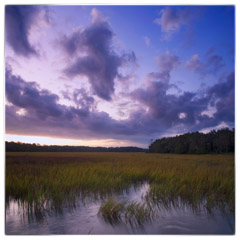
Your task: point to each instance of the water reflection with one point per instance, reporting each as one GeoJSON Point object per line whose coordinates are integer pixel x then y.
{"type": "Point", "coordinates": [83, 218]}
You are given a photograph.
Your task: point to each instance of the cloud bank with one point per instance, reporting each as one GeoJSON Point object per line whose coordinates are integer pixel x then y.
{"type": "Point", "coordinates": [157, 113]}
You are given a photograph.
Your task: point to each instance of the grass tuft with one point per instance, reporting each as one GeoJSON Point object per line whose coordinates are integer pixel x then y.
{"type": "Point", "coordinates": [114, 212]}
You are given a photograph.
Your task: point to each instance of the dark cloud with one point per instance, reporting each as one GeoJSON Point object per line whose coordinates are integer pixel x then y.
{"type": "Point", "coordinates": [188, 111]}
{"type": "Point", "coordinates": [169, 109]}
{"type": "Point", "coordinates": [224, 94]}
{"type": "Point", "coordinates": [82, 98]}
{"type": "Point", "coordinates": [157, 112]}
{"type": "Point", "coordinates": [222, 98]}
{"type": "Point", "coordinates": [18, 22]}
{"type": "Point", "coordinates": [27, 96]}
{"type": "Point", "coordinates": [44, 116]}
{"type": "Point", "coordinates": [95, 57]}
{"type": "Point", "coordinates": [211, 64]}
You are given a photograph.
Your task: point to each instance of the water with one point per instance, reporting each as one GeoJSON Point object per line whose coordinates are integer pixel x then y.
{"type": "Point", "coordinates": [84, 220]}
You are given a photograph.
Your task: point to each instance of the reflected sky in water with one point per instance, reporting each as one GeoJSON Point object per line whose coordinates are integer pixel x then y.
{"type": "Point", "coordinates": [85, 220]}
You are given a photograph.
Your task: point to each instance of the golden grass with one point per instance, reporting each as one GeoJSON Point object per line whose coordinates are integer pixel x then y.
{"type": "Point", "coordinates": [51, 180]}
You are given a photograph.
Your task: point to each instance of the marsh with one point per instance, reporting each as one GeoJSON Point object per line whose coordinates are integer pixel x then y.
{"type": "Point", "coordinates": [119, 193]}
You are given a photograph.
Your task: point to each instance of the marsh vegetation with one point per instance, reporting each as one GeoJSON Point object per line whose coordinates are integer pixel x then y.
{"type": "Point", "coordinates": [45, 183]}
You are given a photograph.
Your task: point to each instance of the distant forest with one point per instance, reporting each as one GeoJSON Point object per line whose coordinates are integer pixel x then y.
{"type": "Point", "coordinates": [27, 147]}
{"type": "Point", "coordinates": [221, 141]}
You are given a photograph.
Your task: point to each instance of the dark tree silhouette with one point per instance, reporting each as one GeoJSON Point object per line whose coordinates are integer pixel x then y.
{"type": "Point", "coordinates": [221, 141]}
{"type": "Point", "coordinates": [26, 147]}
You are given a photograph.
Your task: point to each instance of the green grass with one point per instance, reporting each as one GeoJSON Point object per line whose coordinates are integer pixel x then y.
{"type": "Point", "coordinates": [133, 212]}
{"type": "Point", "coordinates": [112, 210]}
{"type": "Point", "coordinates": [49, 181]}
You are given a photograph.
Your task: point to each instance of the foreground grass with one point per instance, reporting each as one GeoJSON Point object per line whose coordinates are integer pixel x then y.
{"type": "Point", "coordinates": [52, 180]}
{"type": "Point", "coordinates": [134, 212]}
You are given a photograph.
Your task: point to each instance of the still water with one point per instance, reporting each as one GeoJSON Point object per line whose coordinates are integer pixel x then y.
{"type": "Point", "coordinates": [85, 220]}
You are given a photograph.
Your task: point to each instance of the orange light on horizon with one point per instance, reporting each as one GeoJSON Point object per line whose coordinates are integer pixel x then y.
{"type": "Point", "coordinates": [73, 142]}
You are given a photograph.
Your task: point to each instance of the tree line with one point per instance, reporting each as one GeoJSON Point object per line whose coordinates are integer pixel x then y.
{"type": "Point", "coordinates": [27, 147]}
{"type": "Point", "coordinates": [221, 141]}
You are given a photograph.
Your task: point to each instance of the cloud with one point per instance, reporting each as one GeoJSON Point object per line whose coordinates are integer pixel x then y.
{"type": "Point", "coordinates": [167, 108]}
{"type": "Point", "coordinates": [223, 95]}
{"type": "Point", "coordinates": [97, 16]}
{"type": "Point", "coordinates": [211, 64]}
{"type": "Point", "coordinates": [172, 19]}
{"type": "Point", "coordinates": [147, 41]}
{"type": "Point", "coordinates": [42, 115]}
{"type": "Point", "coordinates": [27, 96]}
{"type": "Point", "coordinates": [185, 112]}
{"type": "Point", "coordinates": [81, 97]}
{"type": "Point", "coordinates": [35, 111]}
{"type": "Point", "coordinates": [18, 23]}
{"type": "Point", "coordinates": [95, 57]}
{"type": "Point", "coordinates": [167, 62]}
{"type": "Point", "coordinates": [168, 112]}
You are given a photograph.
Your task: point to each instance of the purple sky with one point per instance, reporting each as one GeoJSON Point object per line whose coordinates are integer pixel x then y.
{"type": "Point", "coordinates": [117, 75]}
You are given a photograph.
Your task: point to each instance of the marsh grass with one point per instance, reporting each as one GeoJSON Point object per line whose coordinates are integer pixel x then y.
{"type": "Point", "coordinates": [112, 211]}
{"type": "Point", "coordinates": [139, 212]}
{"type": "Point", "coordinates": [134, 212]}
{"type": "Point", "coordinates": [48, 182]}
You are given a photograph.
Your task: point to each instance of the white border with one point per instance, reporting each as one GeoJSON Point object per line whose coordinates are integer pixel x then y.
{"type": "Point", "coordinates": [117, 2]}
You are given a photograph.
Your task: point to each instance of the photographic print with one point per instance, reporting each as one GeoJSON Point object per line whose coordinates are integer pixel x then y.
{"type": "Point", "coordinates": [119, 119]}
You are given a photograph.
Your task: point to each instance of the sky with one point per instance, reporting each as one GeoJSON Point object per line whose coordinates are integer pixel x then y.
{"type": "Point", "coordinates": [117, 75]}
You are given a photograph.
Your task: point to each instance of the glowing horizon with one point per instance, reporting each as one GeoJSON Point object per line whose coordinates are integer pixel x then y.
{"type": "Point", "coordinates": [71, 142]}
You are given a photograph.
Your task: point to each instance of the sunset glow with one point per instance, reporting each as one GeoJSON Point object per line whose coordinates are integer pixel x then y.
{"type": "Point", "coordinates": [71, 142]}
